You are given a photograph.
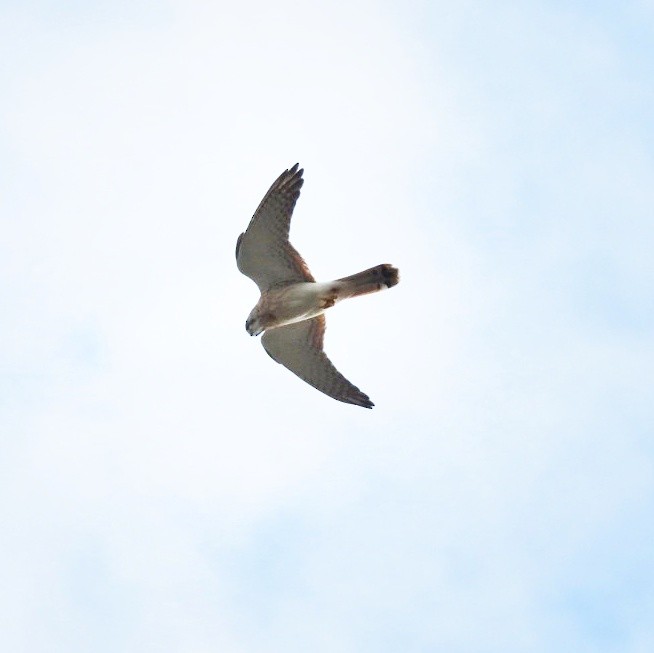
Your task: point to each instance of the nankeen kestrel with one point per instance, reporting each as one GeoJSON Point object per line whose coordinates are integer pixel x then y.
{"type": "Point", "coordinates": [290, 310]}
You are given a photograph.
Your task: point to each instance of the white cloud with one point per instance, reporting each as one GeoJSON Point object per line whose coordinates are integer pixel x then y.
{"type": "Point", "coordinates": [497, 158]}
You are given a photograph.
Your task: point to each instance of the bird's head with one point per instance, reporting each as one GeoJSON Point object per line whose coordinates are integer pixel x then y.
{"type": "Point", "coordinates": [253, 324]}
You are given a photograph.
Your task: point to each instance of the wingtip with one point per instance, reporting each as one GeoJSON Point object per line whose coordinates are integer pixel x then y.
{"type": "Point", "coordinates": [356, 398]}
{"type": "Point", "coordinates": [363, 400]}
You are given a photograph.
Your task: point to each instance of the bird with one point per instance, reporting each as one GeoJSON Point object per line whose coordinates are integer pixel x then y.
{"type": "Point", "coordinates": [290, 311]}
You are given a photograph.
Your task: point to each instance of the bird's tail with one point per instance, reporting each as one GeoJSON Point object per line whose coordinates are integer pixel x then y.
{"type": "Point", "coordinates": [371, 280]}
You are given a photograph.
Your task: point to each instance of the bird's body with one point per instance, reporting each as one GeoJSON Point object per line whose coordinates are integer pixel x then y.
{"type": "Point", "coordinates": [289, 311]}
{"type": "Point", "coordinates": [282, 305]}
{"type": "Point", "coordinates": [302, 300]}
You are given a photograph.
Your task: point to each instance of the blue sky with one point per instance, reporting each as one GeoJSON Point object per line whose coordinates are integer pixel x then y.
{"type": "Point", "coordinates": [165, 487]}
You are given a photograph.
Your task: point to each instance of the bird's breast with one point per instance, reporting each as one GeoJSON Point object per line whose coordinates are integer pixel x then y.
{"type": "Point", "coordinates": [294, 303]}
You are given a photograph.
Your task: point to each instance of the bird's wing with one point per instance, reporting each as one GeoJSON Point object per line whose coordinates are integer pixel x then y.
{"type": "Point", "coordinates": [299, 347]}
{"type": "Point", "coordinates": [263, 252]}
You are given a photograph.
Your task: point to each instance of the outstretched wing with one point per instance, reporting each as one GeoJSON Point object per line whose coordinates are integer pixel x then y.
{"type": "Point", "coordinates": [298, 347]}
{"type": "Point", "coordinates": [263, 252]}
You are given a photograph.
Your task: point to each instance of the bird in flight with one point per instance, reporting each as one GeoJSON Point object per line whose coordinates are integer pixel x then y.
{"type": "Point", "coordinates": [290, 310]}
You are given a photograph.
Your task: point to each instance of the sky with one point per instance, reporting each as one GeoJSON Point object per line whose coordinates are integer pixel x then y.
{"type": "Point", "coordinates": [164, 486]}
